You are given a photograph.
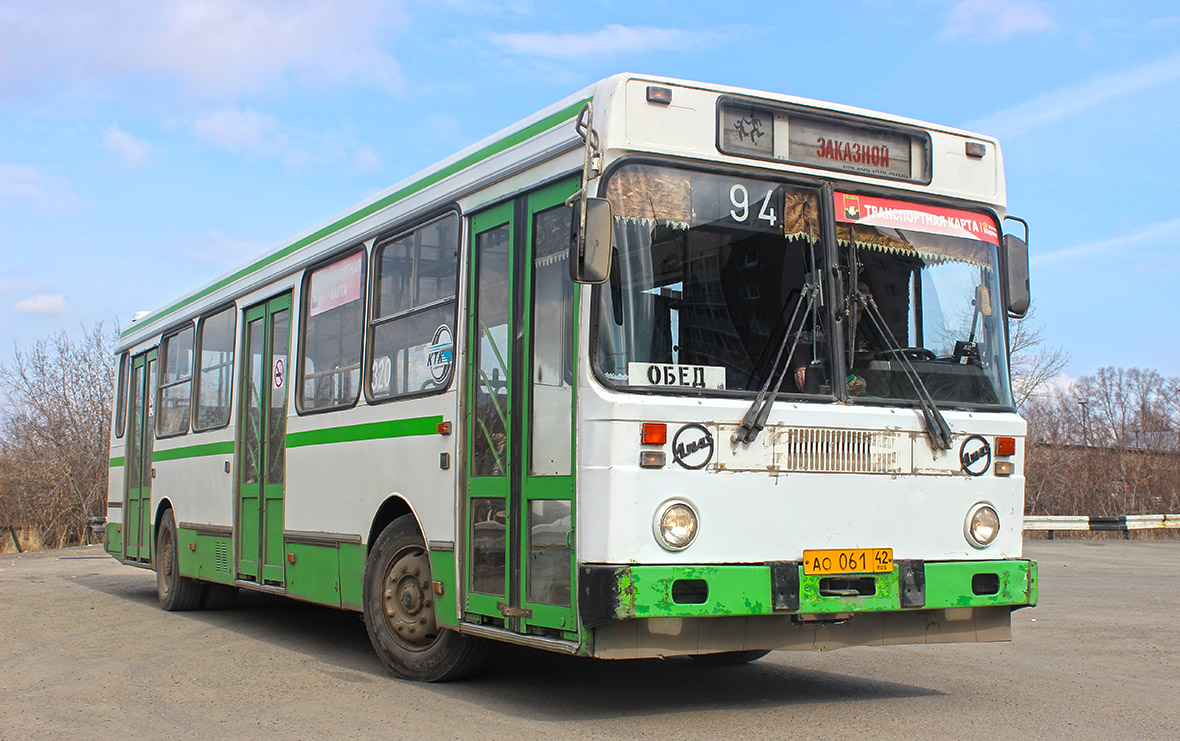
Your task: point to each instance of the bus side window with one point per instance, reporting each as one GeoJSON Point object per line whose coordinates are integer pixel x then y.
{"type": "Point", "coordinates": [412, 328]}
{"type": "Point", "coordinates": [121, 396]}
{"type": "Point", "coordinates": [175, 389]}
{"type": "Point", "coordinates": [214, 379]}
{"type": "Point", "coordinates": [333, 308]}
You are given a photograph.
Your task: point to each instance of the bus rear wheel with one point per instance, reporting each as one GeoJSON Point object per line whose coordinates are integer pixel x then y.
{"type": "Point", "coordinates": [399, 609]}
{"type": "Point", "coordinates": [174, 591]}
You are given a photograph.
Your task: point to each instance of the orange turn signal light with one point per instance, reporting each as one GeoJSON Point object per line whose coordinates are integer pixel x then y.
{"type": "Point", "coordinates": [654, 433]}
{"type": "Point", "coordinates": [1005, 446]}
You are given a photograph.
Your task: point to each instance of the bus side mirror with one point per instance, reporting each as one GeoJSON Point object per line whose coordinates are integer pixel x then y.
{"type": "Point", "coordinates": [1016, 253]}
{"type": "Point", "coordinates": [590, 247]}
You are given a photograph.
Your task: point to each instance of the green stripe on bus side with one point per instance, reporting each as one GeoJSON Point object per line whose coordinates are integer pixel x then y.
{"type": "Point", "coordinates": [371, 431]}
{"type": "Point", "coordinates": [116, 461]}
{"type": "Point", "coordinates": [494, 148]}
{"type": "Point", "coordinates": [194, 451]}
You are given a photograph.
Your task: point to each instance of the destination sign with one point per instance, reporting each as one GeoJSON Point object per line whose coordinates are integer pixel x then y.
{"type": "Point", "coordinates": [830, 143]}
{"type": "Point", "coordinates": [836, 146]}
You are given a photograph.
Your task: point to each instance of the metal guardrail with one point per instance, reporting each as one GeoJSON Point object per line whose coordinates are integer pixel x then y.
{"type": "Point", "coordinates": [1109, 524]}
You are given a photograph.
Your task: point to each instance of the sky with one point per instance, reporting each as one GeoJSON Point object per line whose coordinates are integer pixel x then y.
{"type": "Point", "coordinates": [150, 146]}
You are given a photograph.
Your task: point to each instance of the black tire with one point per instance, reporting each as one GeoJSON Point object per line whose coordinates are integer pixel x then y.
{"type": "Point", "coordinates": [219, 596]}
{"type": "Point", "coordinates": [729, 658]}
{"type": "Point", "coordinates": [399, 611]}
{"type": "Point", "coordinates": [175, 592]}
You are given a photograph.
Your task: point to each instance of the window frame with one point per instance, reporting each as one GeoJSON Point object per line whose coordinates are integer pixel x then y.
{"type": "Point", "coordinates": [740, 170]}
{"type": "Point", "coordinates": [161, 387]}
{"type": "Point", "coordinates": [121, 395]}
{"type": "Point", "coordinates": [373, 321]}
{"type": "Point", "coordinates": [198, 343]}
{"type": "Point", "coordinates": [304, 306]}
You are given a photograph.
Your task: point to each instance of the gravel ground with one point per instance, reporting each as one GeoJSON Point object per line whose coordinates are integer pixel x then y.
{"type": "Point", "coordinates": [85, 651]}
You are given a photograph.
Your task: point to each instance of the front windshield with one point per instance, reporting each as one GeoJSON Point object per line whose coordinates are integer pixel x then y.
{"type": "Point", "coordinates": [708, 271]}
{"type": "Point", "coordinates": [931, 274]}
{"type": "Point", "coordinates": [717, 284]}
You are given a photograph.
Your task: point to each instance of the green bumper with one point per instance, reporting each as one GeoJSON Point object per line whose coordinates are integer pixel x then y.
{"type": "Point", "coordinates": [608, 593]}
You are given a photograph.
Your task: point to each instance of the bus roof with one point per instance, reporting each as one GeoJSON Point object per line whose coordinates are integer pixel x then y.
{"type": "Point", "coordinates": [541, 133]}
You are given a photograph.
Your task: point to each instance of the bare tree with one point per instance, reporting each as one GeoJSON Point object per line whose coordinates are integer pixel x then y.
{"type": "Point", "coordinates": [54, 433]}
{"type": "Point", "coordinates": [1107, 445]}
{"type": "Point", "coordinates": [1034, 365]}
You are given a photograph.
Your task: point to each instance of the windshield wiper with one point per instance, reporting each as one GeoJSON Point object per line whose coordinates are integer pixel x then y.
{"type": "Point", "coordinates": [936, 426]}
{"type": "Point", "coordinates": [755, 418]}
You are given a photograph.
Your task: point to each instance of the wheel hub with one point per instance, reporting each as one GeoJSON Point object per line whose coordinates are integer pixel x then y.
{"type": "Point", "coordinates": [407, 599]}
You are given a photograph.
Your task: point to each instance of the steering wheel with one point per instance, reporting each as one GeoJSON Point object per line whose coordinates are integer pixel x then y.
{"type": "Point", "coordinates": [911, 353]}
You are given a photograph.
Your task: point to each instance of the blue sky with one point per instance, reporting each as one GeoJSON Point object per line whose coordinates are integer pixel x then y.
{"type": "Point", "coordinates": [148, 146]}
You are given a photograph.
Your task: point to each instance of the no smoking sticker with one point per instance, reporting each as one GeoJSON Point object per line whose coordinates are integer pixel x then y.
{"type": "Point", "coordinates": [280, 372]}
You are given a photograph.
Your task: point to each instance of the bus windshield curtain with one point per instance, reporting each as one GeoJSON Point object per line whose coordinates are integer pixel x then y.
{"type": "Point", "coordinates": [932, 249]}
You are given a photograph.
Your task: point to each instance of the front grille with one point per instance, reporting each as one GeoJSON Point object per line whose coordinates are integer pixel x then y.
{"type": "Point", "coordinates": [819, 450]}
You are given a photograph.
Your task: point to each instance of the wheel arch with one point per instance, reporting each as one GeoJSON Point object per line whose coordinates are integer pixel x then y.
{"type": "Point", "coordinates": [392, 508]}
{"type": "Point", "coordinates": [164, 505]}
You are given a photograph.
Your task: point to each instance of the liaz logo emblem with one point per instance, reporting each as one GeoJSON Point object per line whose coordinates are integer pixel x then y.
{"type": "Point", "coordinates": [441, 355]}
{"type": "Point", "coordinates": [975, 455]}
{"type": "Point", "coordinates": [692, 446]}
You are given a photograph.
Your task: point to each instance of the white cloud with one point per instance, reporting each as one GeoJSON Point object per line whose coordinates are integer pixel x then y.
{"type": "Point", "coordinates": [242, 131]}
{"type": "Point", "coordinates": [484, 7]}
{"type": "Point", "coordinates": [613, 40]}
{"type": "Point", "coordinates": [42, 304]}
{"type": "Point", "coordinates": [989, 20]}
{"type": "Point", "coordinates": [221, 47]}
{"type": "Point", "coordinates": [127, 148]}
{"type": "Point", "coordinates": [31, 185]}
{"type": "Point", "coordinates": [1114, 245]}
{"type": "Point", "coordinates": [225, 251]}
{"type": "Point", "coordinates": [364, 159]}
{"type": "Point", "coordinates": [1072, 100]}
{"type": "Point", "coordinates": [14, 285]}
{"type": "Point", "coordinates": [258, 135]}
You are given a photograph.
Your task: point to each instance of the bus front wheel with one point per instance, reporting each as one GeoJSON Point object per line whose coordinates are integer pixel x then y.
{"type": "Point", "coordinates": [399, 607]}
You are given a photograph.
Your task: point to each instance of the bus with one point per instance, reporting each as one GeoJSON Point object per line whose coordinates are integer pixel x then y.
{"type": "Point", "coordinates": [665, 369]}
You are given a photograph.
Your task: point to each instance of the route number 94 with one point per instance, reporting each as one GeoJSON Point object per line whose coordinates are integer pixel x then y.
{"type": "Point", "coordinates": [759, 211]}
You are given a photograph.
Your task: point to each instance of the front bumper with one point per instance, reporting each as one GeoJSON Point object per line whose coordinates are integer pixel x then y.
{"type": "Point", "coordinates": [610, 593]}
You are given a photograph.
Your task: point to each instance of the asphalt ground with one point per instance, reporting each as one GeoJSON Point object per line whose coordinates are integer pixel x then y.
{"type": "Point", "coordinates": [86, 652]}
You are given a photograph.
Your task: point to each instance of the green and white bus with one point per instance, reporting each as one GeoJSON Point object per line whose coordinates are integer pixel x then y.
{"type": "Point", "coordinates": [665, 369]}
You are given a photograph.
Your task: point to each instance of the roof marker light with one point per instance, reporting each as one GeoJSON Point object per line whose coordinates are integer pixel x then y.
{"type": "Point", "coordinates": [657, 94]}
{"type": "Point", "coordinates": [975, 150]}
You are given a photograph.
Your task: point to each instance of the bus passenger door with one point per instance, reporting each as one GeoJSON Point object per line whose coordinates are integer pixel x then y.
{"type": "Point", "coordinates": [262, 432]}
{"type": "Point", "coordinates": [519, 504]}
{"type": "Point", "coordinates": [137, 507]}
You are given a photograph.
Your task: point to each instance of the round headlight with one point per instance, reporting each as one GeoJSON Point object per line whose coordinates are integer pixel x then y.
{"type": "Point", "coordinates": [676, 526]}
{"type": "Point", "coordinates": [983, 525]}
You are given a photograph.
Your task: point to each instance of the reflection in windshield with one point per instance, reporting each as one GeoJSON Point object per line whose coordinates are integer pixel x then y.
{"type": "Point", "coordinates": [709, 268]}
{"type": "Point", "coordinates": [707, 271]}
{"type": "Point", "coordinates": [937, 291]}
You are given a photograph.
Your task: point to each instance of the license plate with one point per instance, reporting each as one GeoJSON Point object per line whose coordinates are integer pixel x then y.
{"type": "Point", "coordinates": [848, 561]}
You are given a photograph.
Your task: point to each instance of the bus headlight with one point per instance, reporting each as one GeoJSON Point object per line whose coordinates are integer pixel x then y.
{"type": "Point", "coordinates": [675, 525]}
{"type": "Point", "coordinates": [982, 525]}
